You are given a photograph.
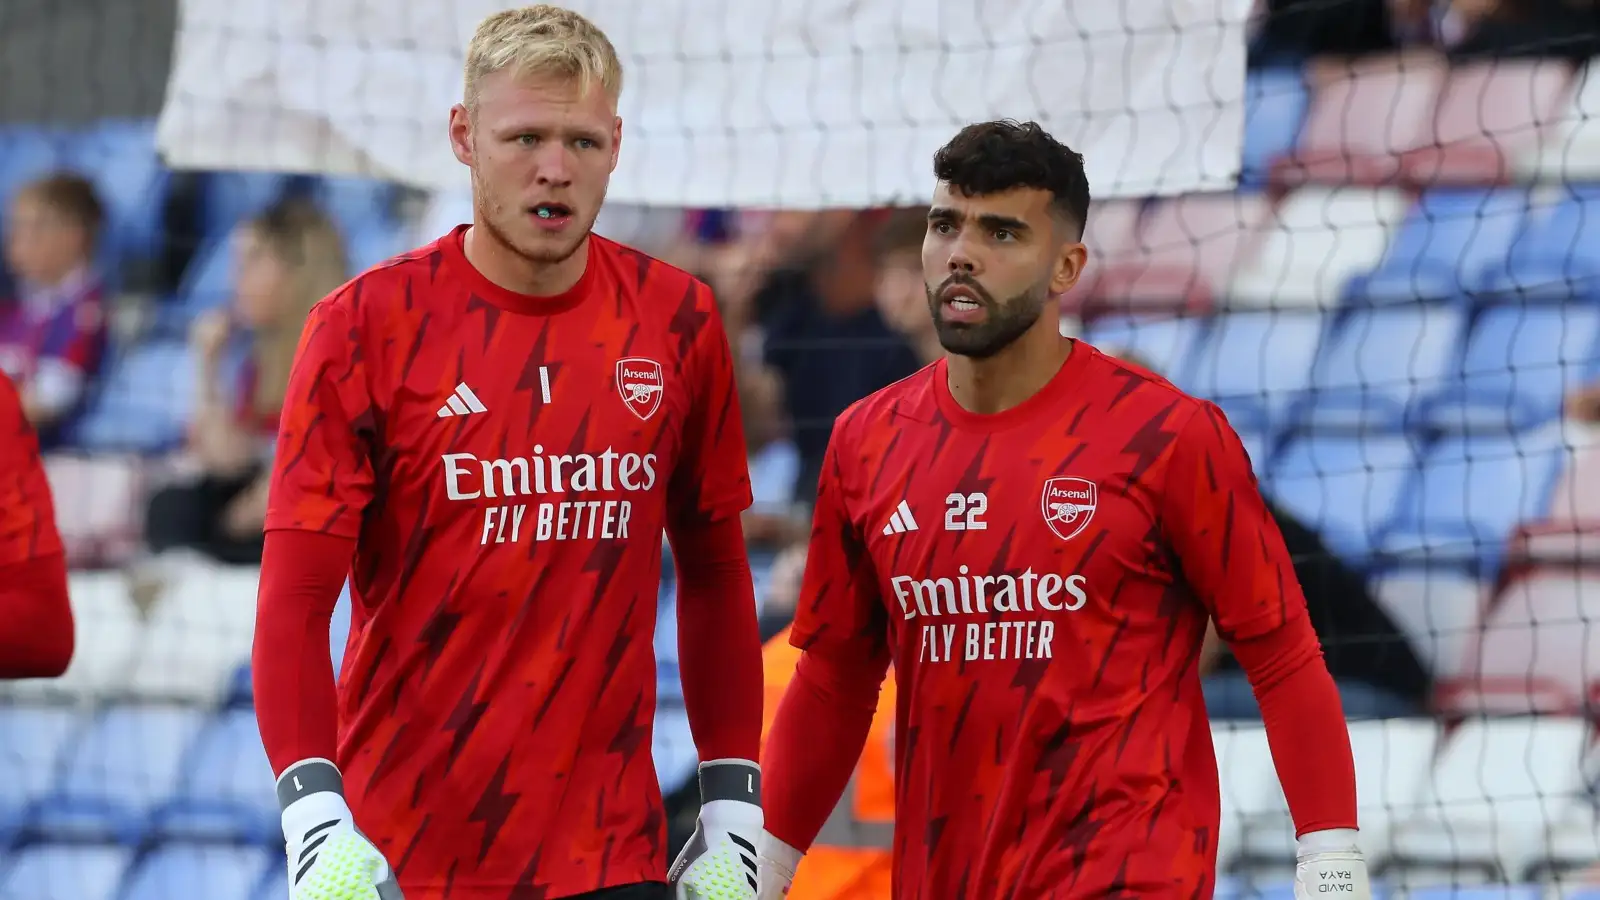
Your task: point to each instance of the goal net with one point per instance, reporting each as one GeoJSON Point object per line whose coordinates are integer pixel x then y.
{"type": "Point", "coordinates": [1376, 248]}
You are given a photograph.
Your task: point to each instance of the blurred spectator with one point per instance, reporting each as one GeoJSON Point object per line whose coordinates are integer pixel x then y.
{"type": "Point", "coordinates": [1583, 404]}
{"type": "Point", "coordinates": [782, 590]}
{"type": "Point", "coordinates": [901, 293]}
{"type": "Point", "coordinates": [772, 520]}
{"type": "Point", "coordinates": [288, 258]}
{"type": "Point", "coordinates": [823, 336]}
{"type": "Point", "coordinates": [53, 334]}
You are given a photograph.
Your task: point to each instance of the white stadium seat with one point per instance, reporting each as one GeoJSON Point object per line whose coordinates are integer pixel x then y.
{"type": "Point", "coordinates": [198, 634]}
{"type": "Point", "coordinates": [1438, 611]}
{"type": "Point", "coordinates": [1249, 784]}
{"type": "Point", "coordinates": [106, 641]}
{"type": "Point", "coordinates": [1316, 241]}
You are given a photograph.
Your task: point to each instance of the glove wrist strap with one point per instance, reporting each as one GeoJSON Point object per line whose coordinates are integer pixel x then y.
{"type": "Point", "coordinates": [730, 779]}
{"type": "Point", "coordinates": [309, 776]}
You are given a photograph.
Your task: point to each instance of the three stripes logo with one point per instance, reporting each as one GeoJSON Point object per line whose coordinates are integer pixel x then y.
{"type": "Point", "coordinates": [462, 402]}
{"type": "Point", "coordinates": [901, 521]}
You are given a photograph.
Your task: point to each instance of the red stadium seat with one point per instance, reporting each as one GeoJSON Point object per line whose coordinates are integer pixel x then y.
{"type": "Point", "coordinates": [1111, 237]}
{"type": "Point", "coordinates": [1362, 115]}
{"type": "Point", "coordinates": [1187, 248]}
{"type": "Point", "coordinates": [1571, 531]}
{"type": "Point", "coordinates": [1489, 115]}
{"type": "Point", "coordinates": [97, 506]}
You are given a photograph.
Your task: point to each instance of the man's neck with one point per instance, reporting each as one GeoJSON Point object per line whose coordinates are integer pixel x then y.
{"type": "Point", "coordinates": [506, 268]}
{"type": "Point", "coordinates": [1007, 379]}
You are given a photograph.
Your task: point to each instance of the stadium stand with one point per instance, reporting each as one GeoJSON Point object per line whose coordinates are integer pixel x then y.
{"type": "Point", "coordinates": [1392, 308]}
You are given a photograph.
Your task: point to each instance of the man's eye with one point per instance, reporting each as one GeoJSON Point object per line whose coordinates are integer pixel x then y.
{"type": "Point", "coordinates": [586, 144]}
{"type": "Point", "coordinates": [527, 140]}
{"type": "Point", "coordinates": [1002, 234]}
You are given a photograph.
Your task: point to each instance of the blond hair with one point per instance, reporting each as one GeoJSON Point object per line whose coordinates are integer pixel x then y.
{"type": "Point", "coordinates": [308, 246]}
{"type": "Point", "coordinates": [542, 40]}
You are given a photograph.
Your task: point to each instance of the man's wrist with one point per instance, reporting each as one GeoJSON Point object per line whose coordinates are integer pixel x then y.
{"type": "Point", "coordinates": [730, 779]}
{"type": "Point", "coordinates": [307, 777]}
{"type": "Point", "coordinates": [1332, 840]}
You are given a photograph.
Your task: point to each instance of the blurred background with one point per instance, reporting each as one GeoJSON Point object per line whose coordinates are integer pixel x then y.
{"type": "Point", "coordinates": [1383, 261]}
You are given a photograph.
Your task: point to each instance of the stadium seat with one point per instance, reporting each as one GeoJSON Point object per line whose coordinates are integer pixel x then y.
{"type": "Point", "coordinates": [33, 740]}
{"type": "Point", "coordinates": [126, 764]}
{"type": "Point", "coordinates": [26, 153]}
{"type": "Point", "coordinates": [1517, 366]}
{"type": "Point", "coordinates": [64, 872]}
{"type": "Point", "coordinates": [373, 244]}
{"type": "Point", "coordinates": [1569, 149]}
{"type": "Point", "coordinates": [1166, 345]}
{"type": "Point", "coordinates": [227, 786]}
{"type": "Point", "coordinates": [1347, 488]}
{"type": "Point", "coordinates": [1476, 892]}
{"type": "Point", "coordinates": [1361, 117]}
{"type": "Point", "coordinates": [207, 283]}
{"type": "Point", "coordinates": [106, 641]}
{"type": "Point", "coordinates": [1483, 810]}
{"type": "Point", "coordinates": [1442, 248]}
{"type": "Point", "coordinates": [144, 403]}
{"type": "Point", "coordinates": [355, 204]}
{"type": "Point", "coordinates": [98, 505]}
{"type": "Point", "coordinates": [1469, 497]}
{"type": "Point", "coordinates": [177, 871]}
{"type": "Point", "coordinates": [229, 198]}
{"type": "Point", "coordinates": [1317, 240]}
{"type": "Point", "coordinates": [1557, 254]}
{"type": "Point", "coordinates": [198, 634]}
{"type": "Point", "coordinates": [1255, 364]}
{"type": "Point", "coordinates": [1249, 785]}
{"type": "Point", "coordinates": [1570, 531]}
{"type": "Point", "coordinates": [1187, 248]}
{"type": "Point", "coordinates": [1372, 368]}
{"type": "Point", "coordinates": [1437, 611]}
{"type": "Point", "coordinates": [120, 158]}
{"type": "Point", "coordinates": [276, 885]}
{"type": "Point", "coordinates": [1489, 114]}
{"type": "Point", "coordinates": [1534, 652]}
{"type": "Point", "coordinates": [1111, 237]}
{"type": "Point", "coordinates": [1275, 102]}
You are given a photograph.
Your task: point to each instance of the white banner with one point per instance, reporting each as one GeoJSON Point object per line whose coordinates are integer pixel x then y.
{"type": "Point", "coordinates": [749, 103]}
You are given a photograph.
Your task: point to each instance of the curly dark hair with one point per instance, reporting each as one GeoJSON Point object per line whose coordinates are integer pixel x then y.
{"type": "Point", "coordinates": [991, 157]}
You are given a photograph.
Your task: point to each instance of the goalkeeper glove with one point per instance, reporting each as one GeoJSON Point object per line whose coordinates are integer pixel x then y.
{"type": "Point", "coordinates": [1329, 863]}
{"type": "Point", "coordinates": [328, 858]}
{"type": "Point", "coordinates": [776, 863]}
{"type": "Point", "coordinates": [719, 862]}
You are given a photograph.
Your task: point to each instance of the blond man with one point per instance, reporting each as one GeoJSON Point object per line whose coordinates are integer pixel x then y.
{"type": "Point", "coordinates": [489, 435]}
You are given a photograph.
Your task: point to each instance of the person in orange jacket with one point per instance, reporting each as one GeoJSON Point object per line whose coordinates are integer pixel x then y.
{"type": "Point", "coordinates": [850, 858]}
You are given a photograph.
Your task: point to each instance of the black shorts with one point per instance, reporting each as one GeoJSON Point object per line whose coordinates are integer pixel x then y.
{"type": "Point", "coordinates": [646, 890]}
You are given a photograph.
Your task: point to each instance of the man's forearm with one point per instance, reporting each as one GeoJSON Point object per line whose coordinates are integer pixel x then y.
{"type": "Point", "coordinates": [291, 669]}
{"type": "Point", "coordinates": [36, 637]}
{"type": "Point", "coordinates": [719, 639]}
{"type": "Point", "coordinates": [1305, 724]}
{"type": "Point", "coordinates": [816, 740]}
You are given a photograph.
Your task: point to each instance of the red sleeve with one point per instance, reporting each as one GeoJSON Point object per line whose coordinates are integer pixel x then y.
{"type": "Point", "coordinates": [322, 477]}
{"type": "Point", "coordinates": [36, 633]}
{"type": "Point", "coordinates": [27, 514]}
{"type": "Point", "coordinates": [840, 605]}
{"type": "Point", "coordinates": [816, 740]}
{"type": "Point", "coordinates": [712, 478]}
{"type": "Point", "coordinates": [302, 573]}
{"type": "Point", "coordinates": [1234, 558]}
{"type": "Point", "coordinates": [719, 639]}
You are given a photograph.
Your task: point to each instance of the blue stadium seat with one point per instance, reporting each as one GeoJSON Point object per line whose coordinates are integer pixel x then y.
{"type": "Point", "coordinates": [207, 282]}
{"type": "Point", "coordinates": [1371, 370]}
{"type": "Point", "coordinates": [1167, 345]}
{"type": "Point", "coordinates": [123, 768]}
{"type": "Point", "coordinates": [1518, 364]}
{"type": "Point", "coordinates": [229, 198]}
{"type": "Point", "coordinates": [371, 244]}
{"type": "Point", "coordinates": [1557, 255]}
{"type": "Point", "coordinates": [175, 871]}
{"type": "Point", "coordinates": [33, 740]}
{"type": "Point", "coordinates": [1275, 102]}
{"type": "Point", "coordinates": [1469, 495]}
{"type": "Point", "coordinates": [227, 787]}
{"type": "Point", "coordinates": [144, 400]}
{"type": "Point", "coordinates": [1443, 246]}
{"type": "Point", "coordinates": [120, 158]}
{"type": "Point", "coordinates": [64, 872]}
{"type": "Point", "coordinates": [357, 204]}
{"type": "Point", "coordinates": [276, 884]}
{"type": "Point", "coordinates": [1347, 488]}
{"type": "Point", "coordinates": [25, 154]}
{"type": "Point", "coordinates": [1479, 892]}
{"type": "Point", "coordinates": [1255, 365]}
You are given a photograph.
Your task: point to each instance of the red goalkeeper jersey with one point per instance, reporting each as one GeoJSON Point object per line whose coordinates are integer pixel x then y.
{"type": "Point", "coordinates": [506, 465]}
{"type": "Point", "coordinates": [1042, 579]}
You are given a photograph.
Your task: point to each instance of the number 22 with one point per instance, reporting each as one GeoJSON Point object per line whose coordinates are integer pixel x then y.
{"type": "Point", "coordinates": [964, 512]}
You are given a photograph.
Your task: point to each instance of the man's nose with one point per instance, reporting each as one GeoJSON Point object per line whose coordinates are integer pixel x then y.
{"type": "Point", "coordinates": [553, 165]}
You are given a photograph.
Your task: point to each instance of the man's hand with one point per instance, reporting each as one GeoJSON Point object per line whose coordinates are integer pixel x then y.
{"type": "Point", "coordinates": [1329, 863]}
{"type": "Point", "coordinates": [719, 862]}
{"type": "Point", "coordinates": [776, 863]}
{"type": "Point", "coordinates": [328, 858]}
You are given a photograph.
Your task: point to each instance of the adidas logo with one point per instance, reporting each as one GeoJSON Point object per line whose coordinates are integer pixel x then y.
{"type": "Point", "coordinates": [462, 402]}
{"type": "Point", "coordinates": [902, 520]}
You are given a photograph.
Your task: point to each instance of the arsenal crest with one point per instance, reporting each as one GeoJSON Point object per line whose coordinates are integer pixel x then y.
{"type": "Point", "coordinates": [640, 385]}
{"type": "Point", "coordinates": [1068, 505]}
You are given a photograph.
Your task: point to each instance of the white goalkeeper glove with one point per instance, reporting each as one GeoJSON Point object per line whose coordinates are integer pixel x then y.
{"type": "Point", "coordinates": [328, 858]}
{"type": "Point", "coordinates": [776, 863]}
{"type": "Point", "coordinates": [1329, 863]}
{"type": "Point", "coordinates": [719, 862]}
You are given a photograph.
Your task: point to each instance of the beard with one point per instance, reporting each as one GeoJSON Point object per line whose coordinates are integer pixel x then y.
{"type": "Point", "coordinates": [1005, 320]}
{"type": "Point", "coordinates": [508, 227]}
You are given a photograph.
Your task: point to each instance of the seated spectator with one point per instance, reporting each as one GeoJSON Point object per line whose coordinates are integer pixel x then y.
{"type": "Point", "coordinates": [901, 294]}
{"type": "Point", "coordinates": [772, 521]}
{"type": "Point", "coordinates": [52, 334]}
{"type": "Point", "coordinates": [1583, 404]}
{"type": "Point", "coordinates": [289, 258]}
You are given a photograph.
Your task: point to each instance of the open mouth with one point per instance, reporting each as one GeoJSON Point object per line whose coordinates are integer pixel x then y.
{"type": "Point", "coordinates": [551, 211]}
{"type": "Point", "coordinates": [963, 299]}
